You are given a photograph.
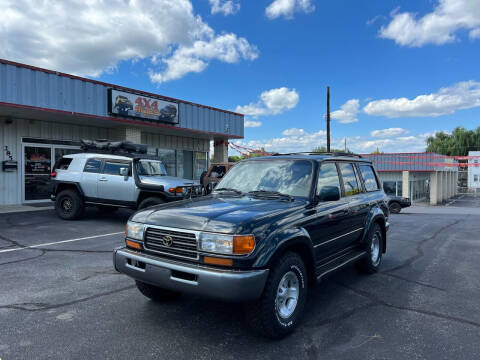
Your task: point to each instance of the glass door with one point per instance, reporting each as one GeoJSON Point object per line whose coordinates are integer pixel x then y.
{"type": "Point", "coordinates": [37, 166]}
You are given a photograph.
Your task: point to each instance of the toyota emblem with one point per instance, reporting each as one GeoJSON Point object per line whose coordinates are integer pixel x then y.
{"type": "Point", "coordinates": [167, 240]}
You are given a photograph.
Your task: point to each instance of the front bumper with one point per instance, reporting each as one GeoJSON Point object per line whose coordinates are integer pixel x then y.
{"type": "Point", "coordinates": [228, 285]}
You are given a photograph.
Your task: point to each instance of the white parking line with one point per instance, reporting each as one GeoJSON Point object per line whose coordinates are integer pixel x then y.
{"type": "Point", "coordinates": [60, 242]}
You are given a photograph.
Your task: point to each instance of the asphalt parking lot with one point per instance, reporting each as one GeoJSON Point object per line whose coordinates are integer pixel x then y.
{"type": "Point", "coordinates": [65, 301]}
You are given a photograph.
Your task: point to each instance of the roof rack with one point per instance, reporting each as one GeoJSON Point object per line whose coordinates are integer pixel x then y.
{"type": "Point", "coordinates": [120, 148]}
{"type": "Point", "coordinates": [320, 153]}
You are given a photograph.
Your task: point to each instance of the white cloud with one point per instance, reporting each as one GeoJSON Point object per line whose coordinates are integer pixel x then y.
{"type": "Point", "coordinates": [91, 37]}
{"type": "Point", "coordinates": [359, 144]}
{"type": "Point", "coordinates": [387, 133]}
{"type": "Point", "coordinates": [348, 112]}
{"type": "Point", "coordinates": [225, 7]}
{"type": "Point", "coordinates": [272, 102]}
{"type": "Point", "coordinates": [252, 124]}
{"type": "Point", "coordinates": [294, 132]}
{"type": "Point", "coordinates": [463, 95]}
{"type": "Point", "coordinates": [475, 34]}
{"type": "Point", "coordinates": [195, 57]}
{"type": "Point", "coordinates": [287, 8]}
{"type": "Point", "coordinates": [438, 27]}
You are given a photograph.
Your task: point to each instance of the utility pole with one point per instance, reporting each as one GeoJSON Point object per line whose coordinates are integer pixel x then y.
{"type": "Point", "coordinates": [328, 118]}
{"type": "Point", "coordinates": [345, 144]}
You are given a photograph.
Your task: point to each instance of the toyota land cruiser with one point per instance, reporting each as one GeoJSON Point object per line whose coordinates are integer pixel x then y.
{"type": "Point", "coordinates": [272, 227]}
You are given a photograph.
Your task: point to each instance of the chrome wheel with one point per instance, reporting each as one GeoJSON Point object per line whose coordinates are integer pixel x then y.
{"type": "Point", "coordinates": [287, 295]}
{"type": "Point", "coordinates": [375, 249]}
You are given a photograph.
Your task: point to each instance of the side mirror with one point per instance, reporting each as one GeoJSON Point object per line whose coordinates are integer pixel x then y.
{"type": "Point", "coordinates": [329, 193]}
{"type": "Point", "coordinates": [124, 172]}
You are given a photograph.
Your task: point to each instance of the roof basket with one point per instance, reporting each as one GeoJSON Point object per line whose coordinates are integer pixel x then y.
{"type": "Point", "coordinates": [113, 147]}
{"type": "Point", "coordinates": [320, 153]}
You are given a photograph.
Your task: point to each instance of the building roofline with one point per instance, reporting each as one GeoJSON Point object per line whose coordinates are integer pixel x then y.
{"type": "Point", "coordinates": [117, 87]}
{"type": "Point", "coordinates": [120, 120]}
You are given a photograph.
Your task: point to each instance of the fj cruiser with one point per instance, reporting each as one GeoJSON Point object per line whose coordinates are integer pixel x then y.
{"type": "Point", "coordinates": [272, 227]}
{"type": "Point", "coordinates": [101, 177]}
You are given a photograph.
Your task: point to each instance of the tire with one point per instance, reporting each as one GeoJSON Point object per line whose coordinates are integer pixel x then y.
{"type": "Point", "coordinates": [270, 316]}
{"type": "Point", "coordinates": [155, 293]}
{"type": "Point", "coordinates": [107, 209]}
{"type": "Point", "coordinates": [394, 207]}
{"type": "Point", "coordinates": [371, 263]}
{"type": "Point", "coordinates": [202, 176]}
{"type": "Point", "coordinates": [69, 205]}
{"type": "Point", "coordinates": [150, 201]}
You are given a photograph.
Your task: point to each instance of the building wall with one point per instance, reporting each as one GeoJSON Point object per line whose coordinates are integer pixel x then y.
{"type": "Point", "coordinates": [474, 171]}
{"type": "Point", "coordinates": [20, 85]}
{"type": "Point", "coordinates": [11, 136]}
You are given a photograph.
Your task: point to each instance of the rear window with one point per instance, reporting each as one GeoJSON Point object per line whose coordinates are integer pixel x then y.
{"type": "Point", "coordinates": [371, 183]}
{"type": "Point", "coordinates": [350, 182]}
{"type": "Point", "coordinates": [62, 164]}
{"type": "Point", "coordinates": [93, 166]}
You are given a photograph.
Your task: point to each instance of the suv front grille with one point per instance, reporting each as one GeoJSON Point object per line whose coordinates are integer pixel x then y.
{"type": "Point", "coordinates": [171, 242]}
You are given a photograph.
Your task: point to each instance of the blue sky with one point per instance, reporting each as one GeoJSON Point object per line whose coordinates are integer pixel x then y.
{"type": "Point", "coordinates": [398, 70]}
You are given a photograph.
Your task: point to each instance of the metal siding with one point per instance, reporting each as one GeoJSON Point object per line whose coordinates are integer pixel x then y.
{"type": "Point", "coordinates": [36, 88]}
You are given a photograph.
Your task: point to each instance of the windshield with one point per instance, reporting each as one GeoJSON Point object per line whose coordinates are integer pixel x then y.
{"type": "Point", "coordinates": [292, 177]}
{"type": "Point", "coordinates": [151, 168]}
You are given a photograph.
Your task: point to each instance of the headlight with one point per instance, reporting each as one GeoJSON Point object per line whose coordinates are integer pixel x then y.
{"type": "Point", "coordinates": [227, 244]}
{"type": "Point", "coordinates": [134, 230]}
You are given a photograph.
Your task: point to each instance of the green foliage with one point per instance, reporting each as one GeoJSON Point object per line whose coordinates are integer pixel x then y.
{"type": "Point", "coordinates": [234, 158]}
{"type": "Point", "coordinates": [324, 149]}
{"type": "Point", "coordinates": [458, 143]}
{"type": "Point", "coordinates": [377, 151]}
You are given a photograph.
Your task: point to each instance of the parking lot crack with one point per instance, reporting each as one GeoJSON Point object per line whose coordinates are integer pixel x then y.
{"type": "Point", "coordinates": [412, 281]}
{"type": "Point", "coordinates": [43, 306]}
{"type": "Point", "coordinates": [375, 301]}
{"type": "Point", "coordinates": [419, 249]}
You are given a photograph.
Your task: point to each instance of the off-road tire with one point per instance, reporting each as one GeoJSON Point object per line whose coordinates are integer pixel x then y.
{"type": "Point", "coordinates": [155, 293]}
{"type": "Point", "coordinates": [367, 265]}
{"type": "Point", "coordinates": [262, 315]}
{"type": "Point", "coordinates": [150, 201]}
{"type": "Point", "coordinates": [69, 205]}
{"type": "Point", "coordinates": [395, 207]}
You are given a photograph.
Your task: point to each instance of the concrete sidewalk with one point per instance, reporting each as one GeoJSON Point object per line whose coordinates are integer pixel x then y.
{"type": "Point", "coordinates": [441, 210]}
{"type": "Point", "coordinates": [8, 209]}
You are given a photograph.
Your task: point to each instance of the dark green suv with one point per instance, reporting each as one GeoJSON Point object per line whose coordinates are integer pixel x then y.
{"type": "Point", "coordinates": [272, 227]}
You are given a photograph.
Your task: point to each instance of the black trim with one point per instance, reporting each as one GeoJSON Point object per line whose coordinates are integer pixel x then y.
{"type": "Point", "coordinates": [57, 183]}
{"type": "Point", "coordinates": [99, 201]}
{"type": "Point", "coordinates": [50, 142]}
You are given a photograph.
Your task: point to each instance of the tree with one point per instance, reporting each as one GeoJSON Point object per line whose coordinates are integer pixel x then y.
{"type": "Point", "coordinates": [377, 151]}
{"type": "Point", "coordinates": [458, 143]}
{"type": "Point", "coordinates": [234, 158]}
{"type": "Point", "coordinates": [324, 149]}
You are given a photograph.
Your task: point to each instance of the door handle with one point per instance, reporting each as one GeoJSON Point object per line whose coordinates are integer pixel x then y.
{"type": "Point", "coordinates": [103, 179]}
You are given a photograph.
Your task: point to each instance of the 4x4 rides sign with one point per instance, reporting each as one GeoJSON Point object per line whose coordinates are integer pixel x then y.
{"type": "Point", "coordinates": [142, 107]}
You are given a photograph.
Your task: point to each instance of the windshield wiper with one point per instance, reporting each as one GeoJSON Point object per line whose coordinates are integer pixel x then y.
{"type": "Point", "coordinates": [238, 192]}
{"type": "Point", "coordinates": [267, 193]}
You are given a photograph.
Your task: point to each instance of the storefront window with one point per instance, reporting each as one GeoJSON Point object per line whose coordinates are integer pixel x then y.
{"type": "Point", "coordinates": [169, 160]}
{"type": "Point", "coordinates": [399, 188]}
{"type": "Point", "coordinates": [200, 164]}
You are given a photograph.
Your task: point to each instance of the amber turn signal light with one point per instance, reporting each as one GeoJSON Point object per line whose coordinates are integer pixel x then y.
{"type": "Point", "coordinates": [133, 245]}
{"type": "Point", "coordinates": [217, 261]}
{"type": "Point", "coordinates": [243, 244]}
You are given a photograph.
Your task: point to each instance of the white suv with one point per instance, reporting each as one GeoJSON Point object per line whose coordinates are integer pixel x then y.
{"type": "Point", "coordinates": [112, 181]}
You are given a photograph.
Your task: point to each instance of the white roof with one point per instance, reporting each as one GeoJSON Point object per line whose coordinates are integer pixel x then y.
{"type": "Point", "coordinates": [101, 156]}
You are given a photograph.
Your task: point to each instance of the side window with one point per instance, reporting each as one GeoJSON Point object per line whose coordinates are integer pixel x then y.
{"type": "Point", "coordinates": [371, 183]}
{"type": "Point", "coordinates": [328, 183]}
{"type": "Point", "coordinates": [350, 182]}
{"type": "Point", "coordinates": [113, 168]}
{"type": "Point", "coordinates": [93, 166]}
{"type": "Point", "coordinates": [62, 164]}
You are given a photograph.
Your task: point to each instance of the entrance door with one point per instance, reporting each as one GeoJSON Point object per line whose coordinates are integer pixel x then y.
{"type": "Point", "coordinates": [38, 161]}
{"type": "Point", "coordinates": [37, 166]}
